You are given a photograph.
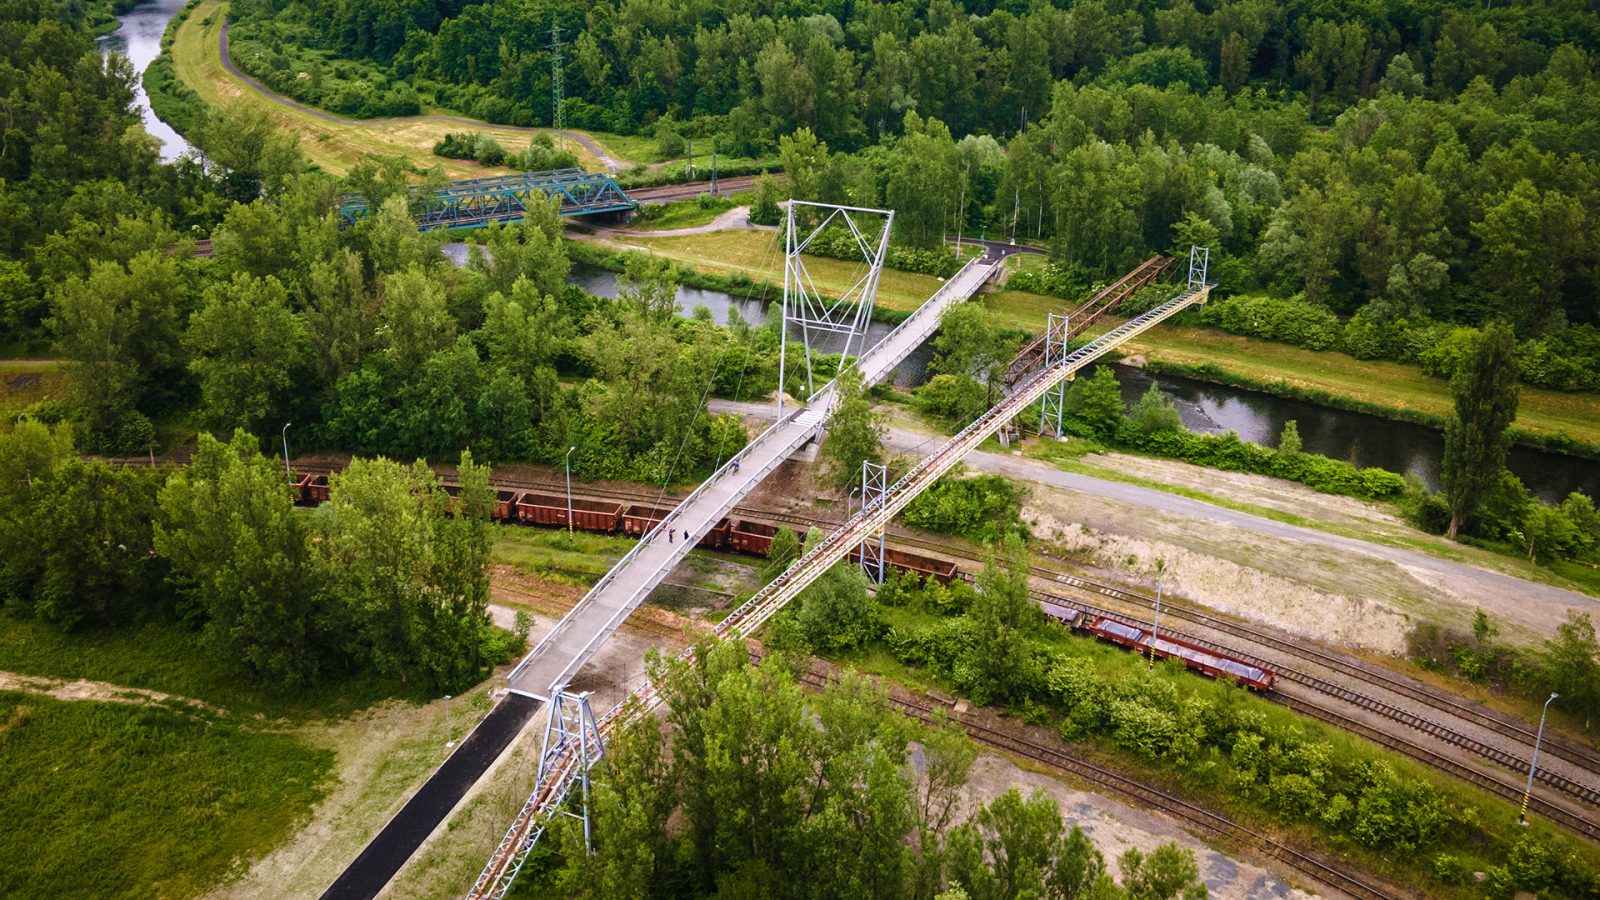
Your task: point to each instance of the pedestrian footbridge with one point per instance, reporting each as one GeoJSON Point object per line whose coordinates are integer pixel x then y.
{"type": "Point", "coordinates": [558, 659]}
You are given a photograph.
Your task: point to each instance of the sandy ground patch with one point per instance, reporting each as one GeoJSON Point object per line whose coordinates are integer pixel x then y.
{"type": "Point", "coordinates": [1228, 586]}
{"type": "Point", "coordinates": [97, 691]}
{"type": "Point", "coordinates": [1116, 827]}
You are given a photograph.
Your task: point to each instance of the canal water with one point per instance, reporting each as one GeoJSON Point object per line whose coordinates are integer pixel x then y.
{"type": "Point", "coordinates": [724, 307]}
{"type": "Point", "coordinates": [139, 39]}
{"type": "Point", "coordinates": [1358, 438]}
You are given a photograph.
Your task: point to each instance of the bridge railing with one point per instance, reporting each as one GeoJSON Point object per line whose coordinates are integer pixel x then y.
{"type": "Point", "coordinates": [750, 615]}
{"type": "Point", "coordinates": [478, 201]}
{"type": "Point", "coordinates": [821, 401]}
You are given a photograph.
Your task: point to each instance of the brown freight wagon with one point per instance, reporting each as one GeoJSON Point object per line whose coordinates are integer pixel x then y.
{"type": "Point", "coordinates": [922, 566]}
{"type": "Point", "coordinates": [313, 489]}
{"type": "Point", "coordinates": [639, 519]}
{"type": "Point", "coordinates": [752, 537]}
{"type": "Point", "coordinates": [505, 502]}
{"type": "Point", "coordinates": [551, 509]}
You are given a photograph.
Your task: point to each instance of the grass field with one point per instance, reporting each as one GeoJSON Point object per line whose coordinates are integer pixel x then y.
{"type": "Point", "coordinates": [24, 382]}
{"type": "Point", "coordinates": [581, 557]}
{"type": "Point", "coordinates": [112, 800]}
{"type": "Point", "coordinates": [333, 146]}
{"type": "Point", "coordinates": [759, 256]}
{"type": "Point", "coordinates": [1387, 384]}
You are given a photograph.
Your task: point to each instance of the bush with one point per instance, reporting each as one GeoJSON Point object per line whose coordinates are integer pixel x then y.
{"type": "Point", "coordinates": [1289, 320]}
{"type": "Point", "coordinates": [839, 243]}
{"type": "Point", "coordinates": [983, 507]}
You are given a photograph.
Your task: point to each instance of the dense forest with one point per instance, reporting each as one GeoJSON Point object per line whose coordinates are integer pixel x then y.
{"type": "Point", "coordinates": [1408, 170]}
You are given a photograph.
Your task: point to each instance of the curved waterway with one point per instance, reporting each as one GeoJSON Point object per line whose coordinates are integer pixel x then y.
{"type": "Point", "coordinates": [139, 39]}
{"type": "Point", "coordinates": [756, 312]}
{"type": "Point", "coordinates": [1358, 438]}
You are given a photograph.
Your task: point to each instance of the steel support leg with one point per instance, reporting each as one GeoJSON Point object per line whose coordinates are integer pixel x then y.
{"type": "Point", "coordinates": [571, 726]}
{"type": "Point", "coordinates": [813, 315]}
{"type": "Point", "coordinates": [1055, 353]}
{"type": "Point", "coordinates": [874, 487]}
{"type": "Point", "coordinates": [1199, 261]}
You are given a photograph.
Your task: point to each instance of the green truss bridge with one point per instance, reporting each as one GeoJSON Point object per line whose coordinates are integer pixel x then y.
{"type": "Point", "coordinates": [476, 202]}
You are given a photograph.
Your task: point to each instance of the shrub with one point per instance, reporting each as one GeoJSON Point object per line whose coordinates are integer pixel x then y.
{"type": "Point", "coordinates": [983, 507]}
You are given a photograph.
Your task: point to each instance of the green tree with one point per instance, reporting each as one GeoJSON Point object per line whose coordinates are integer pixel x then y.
{"type": "Point", "coordinates": [414, 323]}
{"type": "Point", "coordinates": [764, 210]}
{"type": "Point", "coordinates": [1289, 440]}
{"type": "Point", "coordinates": [530, 249]}
{"type": "Point", "coordinates": [967, 346]}
{"type": "Point", "coordinates": [253, 154]}
{"type": "Point", "coordinates": [411, 577]}
{"type": "Point", "coordinates": [1530, 240]}
{"type": "Point", "coordinates": [1094, 404]}
{"type": "Point", "coordinates": [1167, 873]}
{"type": "Point", "coordinates": [244, 345]}
{"type": "Point", "coordinates": [1153, 414]}
{"type": "Point", "coordinates": [785, 550]}
{"type": "Point", "coordinates": [1572, 657]}
{"type": "Point", "coordinates": [854, 433]}
{"type": "Point", "coordinates": [1003, 616]}
{"type": "Point", "coordinates": [1475, 440]}
{"type": "Point", "coordinates": [836, 614]}
{"type": "Point", "coordinates": [803, 159]}
{"type": "Point", "coordinates": [241, 554]}
{"type": "Point", "coordinates": [651, 283]}
{"type": "Point", "coordinates": [88, 557]}
{"type": "Point", "coordinates": [118, 327]}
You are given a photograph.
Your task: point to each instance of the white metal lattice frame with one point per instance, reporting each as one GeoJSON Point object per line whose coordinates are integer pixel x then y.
{"type": "Point", "coordinates": [874, 487]}
{"type": "Point", "coordinates": [1056, 333]}
{"type": "Point", "coordinates": [1199, 261]}
{"type": "Point", "coordinates": [814, 315]}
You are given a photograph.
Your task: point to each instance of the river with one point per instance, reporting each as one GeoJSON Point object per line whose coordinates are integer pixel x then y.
{"type": "Point", "coordinates": [1359, 438]}
{"type": "Point", "coordinates": [139, 39]}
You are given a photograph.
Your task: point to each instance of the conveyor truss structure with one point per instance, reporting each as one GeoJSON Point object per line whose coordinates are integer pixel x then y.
{"type": "Point", "coordinates": [563, 766]}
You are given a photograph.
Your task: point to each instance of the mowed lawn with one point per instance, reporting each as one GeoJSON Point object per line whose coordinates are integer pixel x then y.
{"type": "Point", "coordinates": [758, 255]}
{"type": "Point", "coordinates": [333, 146]}
{"type": "Point", "coordinates": [121, 800]}
{"type": "Point", "coordinates": [24, 382]}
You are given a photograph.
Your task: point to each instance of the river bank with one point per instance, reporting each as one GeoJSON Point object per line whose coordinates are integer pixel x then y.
{"type": "Point", "coordinates": [138, 37]}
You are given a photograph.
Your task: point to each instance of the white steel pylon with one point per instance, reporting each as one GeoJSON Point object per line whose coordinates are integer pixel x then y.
{"type": "Point", "coordinates": [874, 486]}
{"type": "Point", "coordinates": [1055, 353]}
{"type": "Point", "coordinates": [809, 311]}
{"type": "Point", "coordinates": [571, 726]}
{"type": "Point", "coordinates": [1199, 260]}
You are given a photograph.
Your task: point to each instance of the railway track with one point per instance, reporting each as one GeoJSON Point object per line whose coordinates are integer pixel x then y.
{"type": "Point", "coordinates": [1363, 672]}
{"type": "Point", "coordinates": [668, 192]}
{"type": "Point", "coordinates": [1143, 794]}
{"type": "Point", "coordinates": [1554, 745]}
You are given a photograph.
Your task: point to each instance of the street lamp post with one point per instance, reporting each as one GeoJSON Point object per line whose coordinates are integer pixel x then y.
{"type": "Point", "coordinates": [449, 734]}
{"type": "Point", "coordinates": [1155, 633]}
{"type": "Point", "coordinates": [1522, 815]}
{"type": "Point", "coordinates": [568, 462]}
{"type": "Point", "coordinates": [286, 473]}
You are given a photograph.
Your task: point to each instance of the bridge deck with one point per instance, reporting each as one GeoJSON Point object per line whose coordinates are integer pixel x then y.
{"type": "Point", "coordinates": [559, 657]}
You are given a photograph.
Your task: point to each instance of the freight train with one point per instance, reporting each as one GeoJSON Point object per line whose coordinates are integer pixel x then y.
{"type": "Point", "coordinates": [755, 538]}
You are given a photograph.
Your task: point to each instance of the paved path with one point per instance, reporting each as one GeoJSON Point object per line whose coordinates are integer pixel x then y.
{"type": "Point", "coordinates": [388, 851]}
{"type": "Point", "coordinates": [736, 218]}
{"type": "Point", "coordinates": [611, 164]}
{"type": "Point", "coordinates": [564, 651]}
